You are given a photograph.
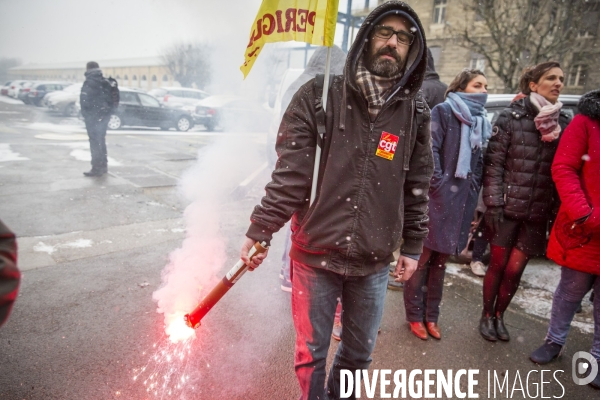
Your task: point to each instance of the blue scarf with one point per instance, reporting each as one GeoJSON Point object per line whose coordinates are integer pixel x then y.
{"type": "Point", "coordinates": [475, 129]}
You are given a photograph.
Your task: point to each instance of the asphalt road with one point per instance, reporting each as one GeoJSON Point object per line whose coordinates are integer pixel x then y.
{"type": "Point", "coordinates": [92, 251]}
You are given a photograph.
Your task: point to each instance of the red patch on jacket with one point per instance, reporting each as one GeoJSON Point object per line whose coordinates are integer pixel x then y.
{"type": "Point", "coordinates": [387, 146]}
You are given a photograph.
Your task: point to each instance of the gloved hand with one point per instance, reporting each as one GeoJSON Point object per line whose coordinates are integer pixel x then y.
{"type": "Point", "coordinates": [494, 216]}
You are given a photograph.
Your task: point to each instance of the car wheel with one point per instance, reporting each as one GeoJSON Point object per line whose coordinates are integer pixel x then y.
{"type": "Point", "coordinates": [114, 122]}
{"type": "Point", "coordinates": [71, 110]}
{"type": "Point", "coordinates": [184, 124]}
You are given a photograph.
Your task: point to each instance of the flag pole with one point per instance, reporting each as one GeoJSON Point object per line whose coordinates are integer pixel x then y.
{"type": "Point", "coordinates": [313, 189]}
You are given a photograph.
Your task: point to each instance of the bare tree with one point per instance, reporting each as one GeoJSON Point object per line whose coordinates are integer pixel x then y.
{"type": "Point", "coordinates": [189, 63]}
{"type": "Point", "coordinates": [512, 34]}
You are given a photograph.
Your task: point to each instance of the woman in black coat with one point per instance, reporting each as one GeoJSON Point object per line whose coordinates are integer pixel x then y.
{"type": "Point", "coordinates": [459, 127]}
{"type": "Point", "coordinates": [518, 188]}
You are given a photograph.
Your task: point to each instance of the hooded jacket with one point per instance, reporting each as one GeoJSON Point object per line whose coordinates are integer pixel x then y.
{"type": "Point", "coordinates": [434, 90]}
{"type": "Point", "coordinates": [575, 237]}
{"type": "Point", "coordinates": [366, 205]}
{"type": "Point", "coordinates": [517, 165]}
{"type": "Point", "coordinates": [95, 98]}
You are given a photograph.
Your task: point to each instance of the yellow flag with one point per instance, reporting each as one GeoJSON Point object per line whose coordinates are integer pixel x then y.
{"type": "Point", "coordinates": [310, 21]}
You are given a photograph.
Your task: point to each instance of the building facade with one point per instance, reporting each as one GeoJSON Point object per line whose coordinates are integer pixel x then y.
{"type": "Point", "coordinates": [438, 16]}
{"type": "Point", "coordinates": [144, 73]}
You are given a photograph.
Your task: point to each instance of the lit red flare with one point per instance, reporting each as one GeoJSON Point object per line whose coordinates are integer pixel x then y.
{"type": "Point", "coordinates": [193, 319]}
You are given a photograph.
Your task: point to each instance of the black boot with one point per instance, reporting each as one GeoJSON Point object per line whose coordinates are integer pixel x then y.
{"type": "Point", "coordinates": [486, 327]}
{"type": "Point", "coordinates": [94, 172]}
{"type": "Point", "coordinates": [501, 331]}
{"type": "Point", "coordinates": [546, 353]}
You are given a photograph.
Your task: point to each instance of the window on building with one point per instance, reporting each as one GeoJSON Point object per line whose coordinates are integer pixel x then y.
{"type": "Point", "coordinates": [577, 75]}
{"type": "Point", "coordinates": [165, 78]}
{"type": "Point", "coordinates": [143, 77]}
{"type": "Point", "coordinates": [477, 62]}
{"type": "Point", "coordinates": [134, 78]}
{"type": "Point", "coordinates": [439, 11]}
{"type": "Point", "coordinates": [125, 77]}
{"type": "Point", "coordinates": [153, 78]}
{"type": "Point", "coordinates": [117, 77]}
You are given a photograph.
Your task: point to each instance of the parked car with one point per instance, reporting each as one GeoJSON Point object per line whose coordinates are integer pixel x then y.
{"type": "Point", "coordinates": [23, 91]}
{"type": "Point", "coordinates": [13, 89]}
{"type": "Point", "coordinates": [64, 101]}
{"type": "Point", "coordinates": [141, 109]}
{"type": "Point", "coordinates": [5, 87]}
{"type": "Point", "coordinates": [177, 97]}
{"type": "Point", "coordinates": [39, 90]}
{"type": "Point", "coordinates": [498, 102]}
{"type": "Point", "coordinates": [232, 113]}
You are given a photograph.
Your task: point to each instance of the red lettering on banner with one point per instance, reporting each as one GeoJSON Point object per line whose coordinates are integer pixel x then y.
{"type": "Point", "coordinates": [311, 18]}
{"type": "Point", "coordinates": [267, 30]}
{"type": "Point", "coordinates": [256, 33]}
{"type": "Point", "coordinates": [290, 19]}
{"type": "Point", "coordinates": [253, 52]}
{"type": "Point", "coordinates": [302, 16]}
{"type": "Point", "coordinates": [279, 23]}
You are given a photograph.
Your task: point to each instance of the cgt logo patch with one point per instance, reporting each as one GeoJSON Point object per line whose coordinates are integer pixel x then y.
{"type": "Point", "coordinates": [387, 146]}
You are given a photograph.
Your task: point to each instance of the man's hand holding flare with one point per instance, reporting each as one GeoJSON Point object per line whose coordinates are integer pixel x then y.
{"type": "Point", "coordinates": [256, 260]}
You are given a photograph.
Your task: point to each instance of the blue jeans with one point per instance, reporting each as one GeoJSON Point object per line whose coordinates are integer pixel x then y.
{"type": "Point", "coordinates": [570, 291]}
{"type": "Point", "coordinates": [315, 294]}
{"type": "Point", "coordinates": [285, 258]}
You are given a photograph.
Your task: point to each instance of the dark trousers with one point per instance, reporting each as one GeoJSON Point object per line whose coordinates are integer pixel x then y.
{"type": "Point", "coordinates": [96, 130]}
{"type": "Point", "coordinates": [423, 291]}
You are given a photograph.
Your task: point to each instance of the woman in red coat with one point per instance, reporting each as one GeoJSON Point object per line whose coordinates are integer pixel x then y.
{"type": "Point", "coordinates": [575, 238]}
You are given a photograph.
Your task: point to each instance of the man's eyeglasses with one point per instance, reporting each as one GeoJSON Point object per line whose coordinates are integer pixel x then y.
{"type": "Point", "coordinates": [385, 32]}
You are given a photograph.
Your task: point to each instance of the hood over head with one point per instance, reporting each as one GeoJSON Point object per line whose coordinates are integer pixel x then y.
{"type": "Point", "coordinates": [430, 74]}
{"type": "Point", "coordinates": [589, 104]}
{"type": "Point", "coordinates": [95, 73]}
{"type": "Point", "coordinates": [416, 64]}
{"type": "Point", "coordinates": [316, 64]}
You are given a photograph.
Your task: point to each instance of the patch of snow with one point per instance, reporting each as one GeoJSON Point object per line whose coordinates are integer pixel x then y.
{"type": "Point", "coordinates": [77, 244]}
{"type": "Point", "coordinates": [8, 100]}
{"type": "Point", "coordinates": [6, 154]}
{"type": "Point", "coordinates": [44, 248]}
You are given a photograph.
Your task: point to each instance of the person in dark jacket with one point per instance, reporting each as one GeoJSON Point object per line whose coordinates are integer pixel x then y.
{"type": "Point", "coordinates": [575, 238]}
{"type": "Point", "coordinates": [9, 274]}
{"type": "Point", "coordinates": [518, 189]}
{"type": "Point", "coordinates": [96, 105]}
{"type": "Point", "coordinates": [459, 128]}
{"type": "Point", "coordinates": [434, 90]}
{"type": "Point", "coordinates": [371, 194]}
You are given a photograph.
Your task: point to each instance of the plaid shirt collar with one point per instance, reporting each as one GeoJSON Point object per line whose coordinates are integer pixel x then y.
{"type": "Point", "coordinates": [375, 88]}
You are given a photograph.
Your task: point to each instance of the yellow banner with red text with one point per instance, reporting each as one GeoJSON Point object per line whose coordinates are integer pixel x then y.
{"type": "Point", "coordinates": [310, 21]}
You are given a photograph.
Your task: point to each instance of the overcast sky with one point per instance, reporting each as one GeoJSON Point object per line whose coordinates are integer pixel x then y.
{"type": "Point", "coordinates": [41, 31]}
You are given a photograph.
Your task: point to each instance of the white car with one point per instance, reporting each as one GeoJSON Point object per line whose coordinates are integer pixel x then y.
{"type": "Point", "coordinates": [64, 101]}
{"type": "Point", "coordinates": [178, 97]}
{"type": "Point", "coordinates": [14, 88]}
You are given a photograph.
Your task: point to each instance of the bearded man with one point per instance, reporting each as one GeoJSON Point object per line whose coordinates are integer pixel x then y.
{"type": "Point", "coordinates": [371, 194]}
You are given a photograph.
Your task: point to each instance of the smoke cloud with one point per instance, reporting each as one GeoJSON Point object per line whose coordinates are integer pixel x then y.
{"type": "Point", "coordinates": [194, 268]}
